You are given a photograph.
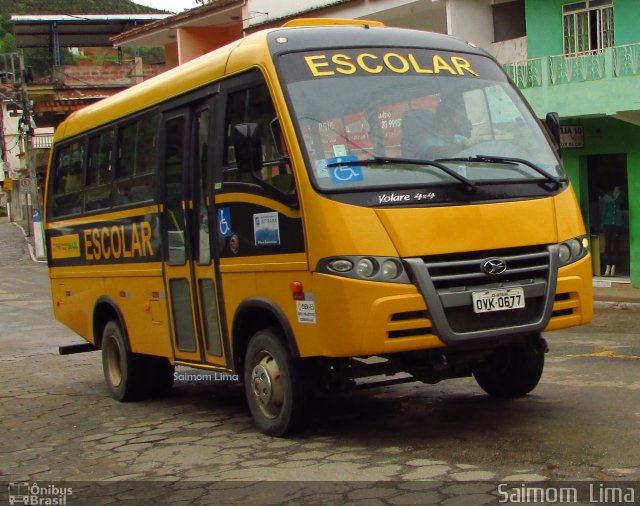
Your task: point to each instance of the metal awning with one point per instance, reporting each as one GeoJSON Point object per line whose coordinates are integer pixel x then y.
{"type": "Point", "coordinates": [81, 30]}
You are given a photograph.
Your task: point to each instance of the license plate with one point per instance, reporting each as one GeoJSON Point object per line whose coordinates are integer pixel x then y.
{"type": "Point", "coordinates": [501, 299]}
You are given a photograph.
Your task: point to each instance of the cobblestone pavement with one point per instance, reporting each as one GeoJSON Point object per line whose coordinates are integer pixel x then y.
{"type": "Point", "coordinates": [412, 444]}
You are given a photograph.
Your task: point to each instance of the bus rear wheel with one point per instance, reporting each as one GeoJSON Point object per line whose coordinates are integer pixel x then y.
{"type": "Point", "coordinates": [274, 384]}
{"type": "Point", "coordinates": [513, 371]}
{"type": "Point", "coordinates": [122, 369]}
{"type": "Point", "coordinates": [131, 376]}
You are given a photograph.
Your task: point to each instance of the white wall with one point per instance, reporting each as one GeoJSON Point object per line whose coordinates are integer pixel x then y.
{"type": "Point", "coordinates": [510, 51]}
{"type": "Point", "coordinates": [11, 141]}
{"type": "Point", "coordinates": [471, 20]}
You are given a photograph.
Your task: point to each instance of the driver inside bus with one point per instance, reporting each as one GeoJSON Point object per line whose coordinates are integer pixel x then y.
{"type": "Point", "coordinates": [452, 131]}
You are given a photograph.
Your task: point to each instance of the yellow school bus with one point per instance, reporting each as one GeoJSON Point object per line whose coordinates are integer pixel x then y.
{"type": "Point", "coordinates": [313, 205]}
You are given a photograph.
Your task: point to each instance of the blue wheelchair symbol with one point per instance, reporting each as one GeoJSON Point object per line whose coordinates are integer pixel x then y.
{"type": "Point", "coordinates": [344, 173]}
{"type": "Point", "coordinates": [224, 222]}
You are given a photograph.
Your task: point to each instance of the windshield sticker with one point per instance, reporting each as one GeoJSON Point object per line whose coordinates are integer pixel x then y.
{"type": "Point", "coordinates": [321, 168]}
{"type": "Point", "coordinates": [266, 229]}
{"type": "Point", "coordinates": [401, 62]}
{"type": "Point", "coordinates": [345, 173]}
{"type": "Point", "coordinates": [340, 150]}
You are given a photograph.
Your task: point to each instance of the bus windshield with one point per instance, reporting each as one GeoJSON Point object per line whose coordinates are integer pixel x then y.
{"type": "Point", "coordinates": [413, 117]}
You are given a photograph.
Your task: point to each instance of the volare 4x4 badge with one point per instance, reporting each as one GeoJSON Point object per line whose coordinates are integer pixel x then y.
{"type": "Point", "coordinates": [392, 198]}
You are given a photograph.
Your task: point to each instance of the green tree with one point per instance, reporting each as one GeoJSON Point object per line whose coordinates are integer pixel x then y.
{"type": "Point", "coordinates": [7, 40]}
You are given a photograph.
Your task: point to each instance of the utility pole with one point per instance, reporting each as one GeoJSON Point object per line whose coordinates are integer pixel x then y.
{"type": "Point", "coordinates": [28, 129]}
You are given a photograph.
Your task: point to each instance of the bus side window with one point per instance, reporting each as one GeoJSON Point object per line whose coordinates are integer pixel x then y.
{"type": "Point", "coordinates": [137, 160]}
{"type": "Point", "coordinates": [99, 171]}
{"type": "Point", "coordinates": [254, 105]}
{"type": "Point", "coordinates": [67, 188]}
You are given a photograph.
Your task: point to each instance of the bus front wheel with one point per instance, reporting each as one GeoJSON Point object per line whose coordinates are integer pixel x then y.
{"type": "Point", "coordinates": [122, 369]}
{"type": "Point", "coordinates": [513, 371]}
{"type": "Point", "coordinates": [274, 384]}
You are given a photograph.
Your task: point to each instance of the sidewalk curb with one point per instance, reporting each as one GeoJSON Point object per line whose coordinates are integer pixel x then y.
{"type": "Point", "coordinates": [611, 304]}
{"type": "Point", "coordinates": [32, 253]}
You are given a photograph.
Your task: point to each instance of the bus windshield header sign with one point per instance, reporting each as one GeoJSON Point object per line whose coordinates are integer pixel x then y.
{"type": "Point", "coordinates": [383, 61]}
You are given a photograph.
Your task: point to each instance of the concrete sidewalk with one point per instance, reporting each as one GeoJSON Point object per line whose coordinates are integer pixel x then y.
{"type": "Point", "coordinates": [615, 291]}
{"type": "Point", "coordinates": [13, 244]}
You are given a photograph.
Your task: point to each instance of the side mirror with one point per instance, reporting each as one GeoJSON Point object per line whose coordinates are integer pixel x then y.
{"type": "Point", "coordinates": [553, 125]}
{"type": "Point", "coordinates": [247, 144]}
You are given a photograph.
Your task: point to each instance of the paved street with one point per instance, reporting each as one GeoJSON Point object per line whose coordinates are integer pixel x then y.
{"type": "Point", "coordinates": [412, 444]}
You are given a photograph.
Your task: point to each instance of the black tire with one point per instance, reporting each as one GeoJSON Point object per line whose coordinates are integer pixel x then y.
{"type": "Point", "coordinates": [123, 370]}
{"type": "Point", "coordinates": [512, 371]}
{"type": "Point", "coordinates": [275, 387]}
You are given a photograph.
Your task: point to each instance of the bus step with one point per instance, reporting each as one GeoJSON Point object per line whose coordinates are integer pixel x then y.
{"type": "Point", "coordinates": [76, 348]}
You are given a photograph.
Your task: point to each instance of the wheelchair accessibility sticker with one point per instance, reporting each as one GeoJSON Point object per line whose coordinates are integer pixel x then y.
{"type": "Point", "coordinates": [224, 222]}
{"type": "Point", "coordinates": [344, 173]}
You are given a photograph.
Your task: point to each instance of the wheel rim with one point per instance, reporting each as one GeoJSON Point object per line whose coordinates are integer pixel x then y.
{"type": "Point", "coordinates": [114, 364]}
{"type": "Point", "coordinates": [266, 385]}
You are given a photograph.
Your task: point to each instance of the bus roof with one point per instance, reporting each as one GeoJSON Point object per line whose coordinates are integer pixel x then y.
{"type": "Point", "coordinates": [328, 36]}
{"type": "Point", "coordinates": [297, 36]}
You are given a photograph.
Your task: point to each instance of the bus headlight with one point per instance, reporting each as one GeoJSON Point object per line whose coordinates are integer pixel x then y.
{"type": "Point", "coordinates": [370, 268]}
{"type": "Point", "coordinates": [341, 265]}
{"type": "Point", "coordinates": [564, 253]}
{"type": "Point", "coordinates": [366, 267]}
{"type": "Point", "coordinates": [391, 269]}
{"type": "Point", "coordinates": [573, 250]}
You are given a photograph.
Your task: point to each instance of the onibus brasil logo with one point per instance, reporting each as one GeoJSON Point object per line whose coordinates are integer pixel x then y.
{"type": "Point", "coordinates": [34, 494]}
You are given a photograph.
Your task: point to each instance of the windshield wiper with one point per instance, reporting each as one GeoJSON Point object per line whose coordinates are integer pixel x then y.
{"type": "Point", "coordinates": [505, 160]}
{"type": "Point", "coordinates": [470, 185]}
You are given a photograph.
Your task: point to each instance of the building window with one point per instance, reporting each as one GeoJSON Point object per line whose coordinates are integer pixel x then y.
{"type": "Point", "coordinates": [587, 26]}
{"type": "Point", "coordinates": [508, 20]}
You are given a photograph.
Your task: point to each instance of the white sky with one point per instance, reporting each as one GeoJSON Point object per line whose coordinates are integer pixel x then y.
{"type": "Point", "coordinates": [169, 5]}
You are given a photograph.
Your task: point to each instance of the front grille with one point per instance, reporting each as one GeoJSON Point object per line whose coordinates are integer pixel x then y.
{"type": "Point", "coordinates": [465, 270]}
{"type": "Point", "coordinates": [447, 283]}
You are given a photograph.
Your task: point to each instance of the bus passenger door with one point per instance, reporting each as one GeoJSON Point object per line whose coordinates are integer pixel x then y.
{"type": "Point", "coordinates": [188, 267]}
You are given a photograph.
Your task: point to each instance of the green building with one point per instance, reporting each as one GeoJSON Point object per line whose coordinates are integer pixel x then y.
{"type": "Point", "coordinates": [584, 63]}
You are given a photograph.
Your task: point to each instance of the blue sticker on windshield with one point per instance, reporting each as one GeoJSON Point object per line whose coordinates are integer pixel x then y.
{"type": "Point", "coordinates": [344, 173]}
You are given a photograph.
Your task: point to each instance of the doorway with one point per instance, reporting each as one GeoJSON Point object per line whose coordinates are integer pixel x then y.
{"type": "Point", "coordinates": [192, 286]}
{"type": "Point", "coordinates": [609, 214]}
